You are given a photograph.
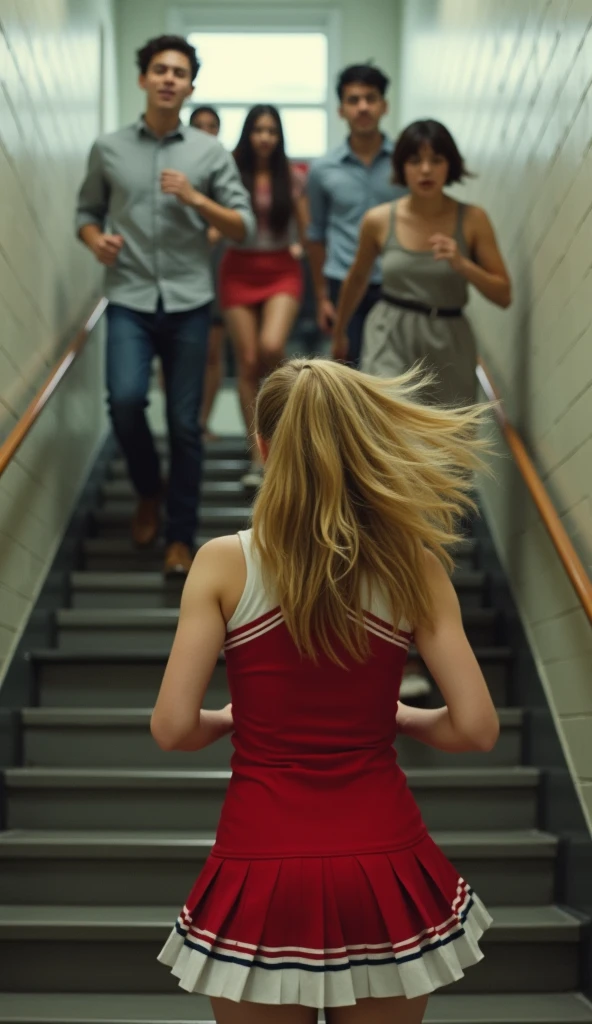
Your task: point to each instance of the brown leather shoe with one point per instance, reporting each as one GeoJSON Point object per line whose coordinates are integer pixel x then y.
{"type": "Point", "coordinates": [146, 522]}
{"type": "Point", "coordinates": [177, 560]}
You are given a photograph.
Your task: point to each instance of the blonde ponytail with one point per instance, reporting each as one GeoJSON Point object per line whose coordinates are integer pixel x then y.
{"type": "Point", "coordinates": [360, 479]}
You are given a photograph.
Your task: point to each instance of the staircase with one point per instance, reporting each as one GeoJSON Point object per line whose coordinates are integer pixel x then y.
{"type": "Point", "coordinates": [105, 833]}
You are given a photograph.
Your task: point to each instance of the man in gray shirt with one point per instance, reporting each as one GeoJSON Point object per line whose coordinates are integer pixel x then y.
{"type": "Point", "coordinates": [341, 187]}
{"type": "Point", "coordinates": [160, 186]}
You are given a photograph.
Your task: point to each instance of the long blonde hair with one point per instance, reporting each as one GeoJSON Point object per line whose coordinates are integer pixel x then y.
{"type": "Point", "coordinates": [360, 479]}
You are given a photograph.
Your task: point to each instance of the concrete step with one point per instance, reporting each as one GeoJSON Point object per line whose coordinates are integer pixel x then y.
{"type": "Point", "coordinates": [79, 949]}
{"type": "Point", "coordinates": [120, 738]}
{"type": "Point", "coordinates": [120, 868]}
{"type": "Point", "coordinates": [230, 447]}
{"type": "Point", "coordinates": [213, 469]}
{"type": "Point", "coordinates": [120, 494]}
{"type": "Point", "coordinates": [119, 554]}
{"type": "Point", "coordinates": [115, 522]}
{"type": "Point", "coordinates": [91, 798]}
{"type": "Point", "coordinates": [151, 590]}
{"type": "Point", "coordinates": [153, 629]}
{"type": "Point", "coordinates": [124, 1008]}
{"type": "Point", "coordinates": [107, 678]}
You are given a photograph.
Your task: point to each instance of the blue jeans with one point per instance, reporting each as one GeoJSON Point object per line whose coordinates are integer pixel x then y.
{"type": "Point", "coordinates": [180, 341]}
{"type": "Point", "coordinates": [355, 331]}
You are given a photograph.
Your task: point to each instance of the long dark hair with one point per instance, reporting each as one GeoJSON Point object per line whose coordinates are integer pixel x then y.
{"type": "Point", "coordinates": [282, 206]}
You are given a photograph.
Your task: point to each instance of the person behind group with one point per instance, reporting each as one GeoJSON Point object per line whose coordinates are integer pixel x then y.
{"type": "Point", "coordinates": [159, 185]}
{"type": "Point", "coordinates": [433, 247]}
{"type": "Point", "coordinates": [341, 187]}
{"type": "Point", "coordinates": [261, 285]}
{"type": "Point", "coordinates": [321, 848]}
{"type": "Point", "coordinates": [207, 120]}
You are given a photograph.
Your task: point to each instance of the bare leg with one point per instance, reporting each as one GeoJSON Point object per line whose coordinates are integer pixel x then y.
{"type": "Point", "coordinates": [243, 327]}
{"type": "Point", "coordinates": [397, 1010]}
{"type": "Point", "coordinates": [214, 371]}
{"type": "Point", "coordinates": [277, 320]}
{"type": "Point", "coordinates": [227, 1012]}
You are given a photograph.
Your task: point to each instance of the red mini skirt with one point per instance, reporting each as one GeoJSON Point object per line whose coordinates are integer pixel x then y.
{"type": "Point", "coordinates": [249, 277]}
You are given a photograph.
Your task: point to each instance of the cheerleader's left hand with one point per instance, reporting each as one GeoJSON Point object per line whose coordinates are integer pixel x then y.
{"type": "Point", "coordinates": [446, 248]}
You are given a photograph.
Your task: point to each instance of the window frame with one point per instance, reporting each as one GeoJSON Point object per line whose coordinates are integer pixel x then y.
{"type": "Point", "coordinates": [183, 19]}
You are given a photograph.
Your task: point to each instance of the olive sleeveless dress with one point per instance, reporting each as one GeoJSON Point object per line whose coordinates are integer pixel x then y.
{"type": "Point", "coordinates": [396, 338]}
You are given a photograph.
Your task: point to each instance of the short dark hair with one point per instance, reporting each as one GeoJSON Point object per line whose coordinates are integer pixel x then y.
{"type": "Point", "coordinates": [366, 74]}
{"type": "Point", "coordinates": [204, 110]}
{"type": "Point", "coordinates": [436, 135]}
{"type": "Point", "coordinates": [161, 43]}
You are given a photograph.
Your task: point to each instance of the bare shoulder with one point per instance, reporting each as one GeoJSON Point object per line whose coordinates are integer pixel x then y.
{"type": "Point", "coordinates": [433, 566]}
{"type": "Point", "coordinates": [376, 216]}
{"type": "Point", "coordinates": [476, 218]}
{"type": "Point", "coordinates": [436, 576]}
{"type": "Point", "coordinates": [220, 568]}
{"type": "Point", "coordinates": [221, 555]}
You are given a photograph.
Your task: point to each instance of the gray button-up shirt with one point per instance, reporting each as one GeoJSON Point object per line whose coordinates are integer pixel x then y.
{"type": "Point", "coordinates": [165, 251]}
{"type": "Point", "coordinates": [340, 190]}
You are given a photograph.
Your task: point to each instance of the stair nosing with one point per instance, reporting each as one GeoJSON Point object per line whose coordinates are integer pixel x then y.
{"type": "Point", "coordinates": [517, 924]}
{"type": "Point", "coordinates": [32, 844]}
{"type": "Point", "coordinates": [520, 777]}
{"type": "Point", "coordinates": [481, 1008]}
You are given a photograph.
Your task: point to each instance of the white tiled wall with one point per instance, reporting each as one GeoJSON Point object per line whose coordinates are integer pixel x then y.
{"type": "Point", "coordinates": [57, 91]}
{"type": "Point", "coordinates": [513, 82]}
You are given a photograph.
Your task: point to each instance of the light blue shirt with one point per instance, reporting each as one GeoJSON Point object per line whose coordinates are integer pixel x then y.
{"type": "Point", "coordinates": [340, 190]}
{"type": "Point", "coordinates": [165, 250]}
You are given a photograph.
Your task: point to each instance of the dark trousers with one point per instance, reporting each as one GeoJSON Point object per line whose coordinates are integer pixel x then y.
{"type": "Point", "coordinates": [180, 341]}
{"type": "Point", "coordinates": [355, 331]}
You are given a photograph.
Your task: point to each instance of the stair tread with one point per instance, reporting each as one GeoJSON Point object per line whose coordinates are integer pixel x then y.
{"type": "Point", "coordinates": [122, 717]}
{"type": "Point", "coordinates": [167, 616]}
{"type": "Point", "coordinates": [137, 655]}
{"type": "Point", "coordinates": [155, 1008]}
{"type": "Point", "coordinates": [41, 842]}
{"type": "Point", "coordinates": [467, 546]}
{"type": "Point", "coordinates": [463, 578]}
{"type": "Point", "coordinates": [208, 513]}
{"type": "Point", "coordinates": [116, 778]}
{"type": "Point", "coordinates": [509, 923]}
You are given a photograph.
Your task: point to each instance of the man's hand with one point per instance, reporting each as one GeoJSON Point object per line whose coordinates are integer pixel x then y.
{"type": "Point", "coordinates": [106, 248]}
{"type": "Point", "coordinates": [326, 314]}
{"type": "Point", "coordinates": [340, 346]}
{"type": "Point", "coordinates": [174, 183]}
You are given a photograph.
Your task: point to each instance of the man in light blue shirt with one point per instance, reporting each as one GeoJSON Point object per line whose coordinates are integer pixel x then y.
{"type": "Point", "coordinates": [342, 186]}
{"type": "Point", "coordinates": [151, 192]}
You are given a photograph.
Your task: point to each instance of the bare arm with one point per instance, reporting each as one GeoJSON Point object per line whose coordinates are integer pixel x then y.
{"type": "Point", "coordinates": [487, 271]}
{"type": "Point", "coordinates": [301, 213]}
{"type": "Point", "coordinates": [356, 282]}
{"type": "Point", "coordinates": [178, 722]}
{"type": "Point", "coordinates": [469, 720]}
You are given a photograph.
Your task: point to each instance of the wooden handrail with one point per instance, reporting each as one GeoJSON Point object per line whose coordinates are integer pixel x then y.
{"type": "Point", "coordinates": [32, 412]}
{"type": "Point", "coordinates": [578, 577]}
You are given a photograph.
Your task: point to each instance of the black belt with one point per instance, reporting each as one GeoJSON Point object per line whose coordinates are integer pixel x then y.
{"type": "Point", "coordinates": [420, 307]}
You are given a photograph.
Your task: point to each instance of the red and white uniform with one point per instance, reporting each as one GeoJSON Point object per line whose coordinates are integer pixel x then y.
{"type": "Point", "coordinates": [323, 886]}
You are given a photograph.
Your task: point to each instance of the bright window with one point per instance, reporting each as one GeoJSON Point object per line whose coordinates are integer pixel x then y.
{"type": "Point", "coordinates": [288, 69]}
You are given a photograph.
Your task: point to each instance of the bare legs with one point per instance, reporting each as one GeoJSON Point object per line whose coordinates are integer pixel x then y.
{"type": "Point", "coordinates": [366, 1011]}
{"type": "Point", "coordinates": [397, 1010]}
{"type": "Point", "coordinates": [259, 337]}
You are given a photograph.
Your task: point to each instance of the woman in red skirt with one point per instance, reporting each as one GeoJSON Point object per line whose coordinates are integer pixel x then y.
{"type": "Point", "coordinates": [261, 287]}
{"type": "Point", "coordinates": [323, 889]}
